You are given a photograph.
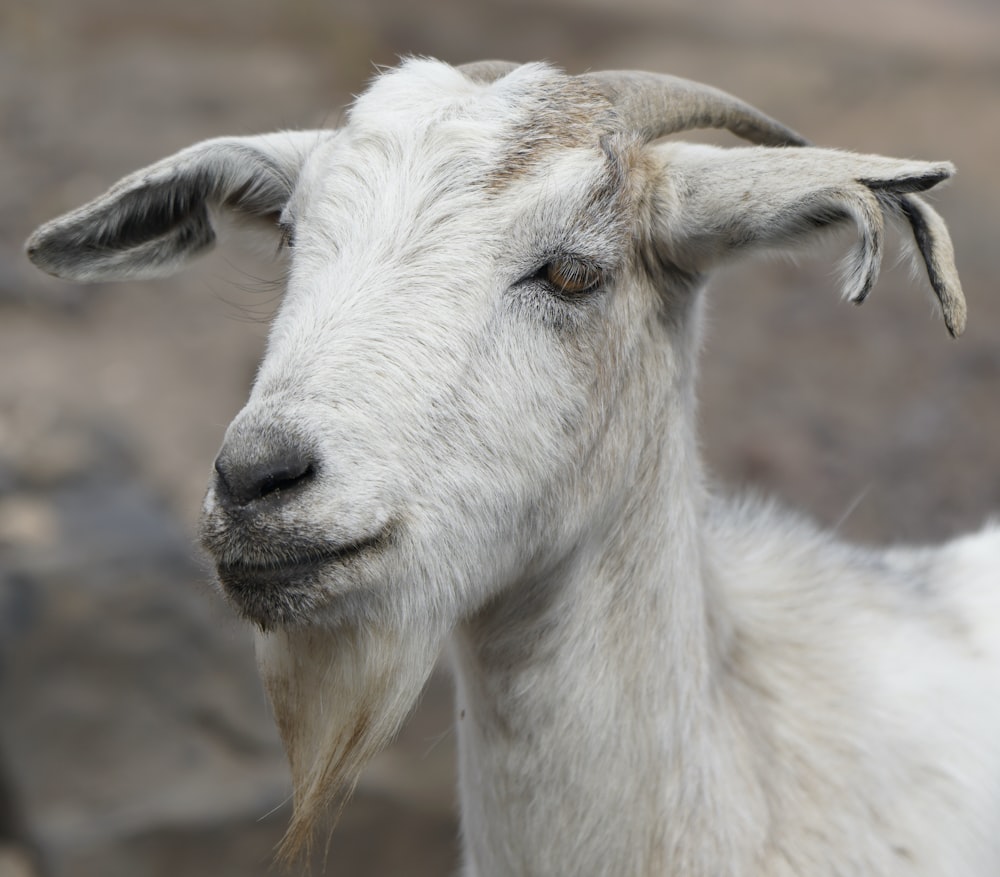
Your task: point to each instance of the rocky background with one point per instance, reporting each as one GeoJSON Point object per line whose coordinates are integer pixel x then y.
{"type": "Point", "coordinates": [134, 739]}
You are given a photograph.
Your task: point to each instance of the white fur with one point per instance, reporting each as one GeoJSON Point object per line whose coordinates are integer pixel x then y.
{"type": "Point", "coordinates": [650, 680]}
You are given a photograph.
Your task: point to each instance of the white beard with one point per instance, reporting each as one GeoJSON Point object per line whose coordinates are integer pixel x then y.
{"type": "Point", "coordinates": [339, 696]}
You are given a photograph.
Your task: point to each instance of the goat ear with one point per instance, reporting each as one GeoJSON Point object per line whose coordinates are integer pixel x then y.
{"type": "Point", "coordinates": [151, 223]}
{"type": "Point", "coordinates": [714, 204]}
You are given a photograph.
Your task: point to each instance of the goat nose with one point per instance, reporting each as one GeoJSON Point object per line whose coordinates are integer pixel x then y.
{"type": "Point", "coordinates": [272, 467]}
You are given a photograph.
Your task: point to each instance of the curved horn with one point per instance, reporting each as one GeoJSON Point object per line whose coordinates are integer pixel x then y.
{"type": "Point", "coordinates": [656, 105]}
{"type": "Point", "coordinates": [487, 71]}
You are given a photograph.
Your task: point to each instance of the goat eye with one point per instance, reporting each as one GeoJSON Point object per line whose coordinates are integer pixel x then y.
{"type": "Point", "coordinates": [571, 276]}
{"type": "Point", "coordinates": [286, 236]}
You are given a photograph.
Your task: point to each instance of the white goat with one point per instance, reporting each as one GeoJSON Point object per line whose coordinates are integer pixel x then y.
{"type": "Point", "coordinates": [476, 419]}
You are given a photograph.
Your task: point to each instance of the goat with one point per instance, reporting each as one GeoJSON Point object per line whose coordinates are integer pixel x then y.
{"type": "Point", "coordinates": [475, 425]}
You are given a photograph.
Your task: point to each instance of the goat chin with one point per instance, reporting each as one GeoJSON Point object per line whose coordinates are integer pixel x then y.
{"type": "Point", "coordinates": [339, 695]}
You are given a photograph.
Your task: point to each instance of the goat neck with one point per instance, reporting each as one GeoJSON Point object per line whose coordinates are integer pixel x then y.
{"type": "Point", "coordinates": [580, 674]}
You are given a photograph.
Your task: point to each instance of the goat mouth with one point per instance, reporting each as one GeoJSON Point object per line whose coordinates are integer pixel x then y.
{"type": "Point", "coordinates": [283, 590]}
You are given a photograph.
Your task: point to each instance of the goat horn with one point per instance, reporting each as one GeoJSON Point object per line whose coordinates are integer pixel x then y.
{"type": "Point", "coordinates": [487, 71]}
{"type": "Point", "coordinates": [656, 105]}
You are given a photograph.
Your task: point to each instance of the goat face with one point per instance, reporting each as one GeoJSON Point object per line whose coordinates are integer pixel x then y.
{"type": "Point", "coordinates": [438, 378]}
{"type": "Point", "coordinates": [483, 354]}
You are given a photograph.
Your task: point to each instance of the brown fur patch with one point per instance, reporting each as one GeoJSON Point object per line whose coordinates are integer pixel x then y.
{"type": "Point", "coordinates": [563, 113]}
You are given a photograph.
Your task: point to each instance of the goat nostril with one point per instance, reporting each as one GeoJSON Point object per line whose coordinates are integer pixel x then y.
{"type": "Point", "coordinates": [285, 478]}
{"type": "Point", "coordinates": [243, 480]}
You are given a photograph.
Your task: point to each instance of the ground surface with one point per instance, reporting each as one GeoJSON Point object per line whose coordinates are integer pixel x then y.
{"type": "Point", "coordinates": [131, 724]}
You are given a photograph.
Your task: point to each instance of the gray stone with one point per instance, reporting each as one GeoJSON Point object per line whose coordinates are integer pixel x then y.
{"type": "Point", "coordinates": [128, 698]}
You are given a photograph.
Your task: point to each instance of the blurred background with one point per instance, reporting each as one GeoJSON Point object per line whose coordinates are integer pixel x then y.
{"type": "Point", "coordinates": [134, 739]}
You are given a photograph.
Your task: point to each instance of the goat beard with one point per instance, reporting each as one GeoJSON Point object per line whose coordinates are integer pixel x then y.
{"type": "Point", "coordinates": [339, 696]}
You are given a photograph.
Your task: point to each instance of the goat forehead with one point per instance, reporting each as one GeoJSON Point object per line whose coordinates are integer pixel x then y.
{"type": "Point", "coordinates": [431, 164]}
{"type": "Point", "coordinates": [513, 123]}
{"type": "Point", "coordinates": [408, 196]}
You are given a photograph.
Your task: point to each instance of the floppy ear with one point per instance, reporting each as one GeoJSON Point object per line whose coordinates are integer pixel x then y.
{"type": "Point", "coordinates": [712, 204]}
{"type": "Point", "coordinates": [151, 223]}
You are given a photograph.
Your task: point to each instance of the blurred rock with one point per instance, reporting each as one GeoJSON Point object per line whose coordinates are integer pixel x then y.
{"type": "Point", "coordinates": [27, 521]}
{"type": "Point", "coordinates": [15, 862]}
{"type": "Point", "coordinates": [128, 700]}
{"type": "Point", "coordinates": [18, 852]}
